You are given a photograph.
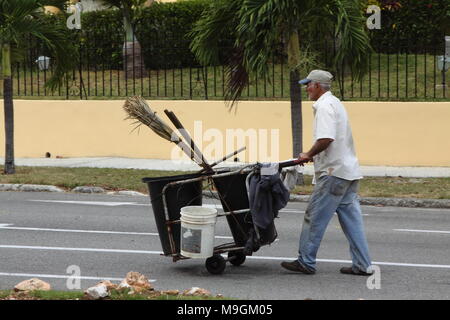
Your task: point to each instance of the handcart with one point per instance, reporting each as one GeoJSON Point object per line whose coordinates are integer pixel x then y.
{"type": "Point", "coordinates": [169, 195]}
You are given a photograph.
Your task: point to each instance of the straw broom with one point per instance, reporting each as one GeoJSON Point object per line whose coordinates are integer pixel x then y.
{"type": "Point", "coordinates": [138, 110]}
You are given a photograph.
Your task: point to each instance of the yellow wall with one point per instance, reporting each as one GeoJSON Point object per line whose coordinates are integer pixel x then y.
{"type": "Point", "coordinates": [393, 134]}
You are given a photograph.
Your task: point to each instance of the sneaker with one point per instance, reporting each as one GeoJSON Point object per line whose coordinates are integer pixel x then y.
{"type": "Point", "coordinates": [296, 266]}
{"type": "Point", "coordinates": [349, 270]}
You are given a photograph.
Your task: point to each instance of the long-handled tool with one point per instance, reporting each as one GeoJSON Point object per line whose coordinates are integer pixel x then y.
{"type": "Point", "coordinates": [138, 109]}
{"type": "Point", "coordinates": [225, 158]}
{"type": "Point", "coordinates": [177, 123]}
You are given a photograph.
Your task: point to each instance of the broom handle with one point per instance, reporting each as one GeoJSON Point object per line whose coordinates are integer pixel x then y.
{"type": "Point", "coordinates": [227, 156]}
{"type": "Point", "coordinates": [193, 156]}
{"type": "Point", "coordinates": [186, 136]}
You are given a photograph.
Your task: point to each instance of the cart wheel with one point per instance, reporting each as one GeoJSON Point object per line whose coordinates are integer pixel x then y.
{"type": "Point", "coordinates": [215, 264]}
{"type": "Point", "coordinates": [236, 258]}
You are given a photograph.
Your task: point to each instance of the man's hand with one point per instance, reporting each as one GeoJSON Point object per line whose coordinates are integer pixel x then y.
{"type": "Point", "coordinates": [317, 148]}
{"type": "Point", "coordinates": [304, 158]}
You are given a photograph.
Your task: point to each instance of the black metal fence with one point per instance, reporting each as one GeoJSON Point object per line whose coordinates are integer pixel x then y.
{"type": "Point", "coordinates": [394, 73]}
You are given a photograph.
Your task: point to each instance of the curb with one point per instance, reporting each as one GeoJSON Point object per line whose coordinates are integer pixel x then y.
{"type": "Point", "coordinates": [29, 187]}
{"type": "Point", "coordinates": [392, 202]}
{"type": "Point", "coordinates": [374, 201]}
{"type": "Point", "coordinates": [367, 201]}
{"type": "Point", "coordinates": [80, 189]}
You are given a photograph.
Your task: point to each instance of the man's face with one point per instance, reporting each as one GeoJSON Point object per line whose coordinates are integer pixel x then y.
{"type": "Point", "coordinates": [314, 90]}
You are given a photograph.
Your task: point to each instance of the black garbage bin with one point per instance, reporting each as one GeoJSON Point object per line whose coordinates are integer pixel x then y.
{"type": "Point", "coordinates": [234, 196]}
{"type": "Point", "coordinates": [178, 196]}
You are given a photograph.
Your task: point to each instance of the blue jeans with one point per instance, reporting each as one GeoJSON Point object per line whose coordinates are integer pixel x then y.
{"type": "Point", "coordinates": [330, 195]}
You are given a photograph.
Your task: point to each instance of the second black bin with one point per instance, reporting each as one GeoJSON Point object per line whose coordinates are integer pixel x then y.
{"type": "Point", "coordinates": [177, 196]}
{"type": "Point", "coordinates": [233, 196]}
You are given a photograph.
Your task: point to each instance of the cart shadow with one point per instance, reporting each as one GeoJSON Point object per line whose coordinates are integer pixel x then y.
{"type": "Point", "coordinates": [244, 272]}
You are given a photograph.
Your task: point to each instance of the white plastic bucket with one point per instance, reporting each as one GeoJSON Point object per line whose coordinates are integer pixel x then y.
{"type": "Point", "coordinates": [197, 231]}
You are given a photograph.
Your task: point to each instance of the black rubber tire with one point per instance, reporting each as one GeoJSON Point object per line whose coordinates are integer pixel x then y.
{"type": "Point", "coordinates": [215, 264]}
{"type": "Point", "coordinates": [236, 258]}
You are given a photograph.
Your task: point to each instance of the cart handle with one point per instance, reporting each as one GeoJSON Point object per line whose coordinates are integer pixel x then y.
{"type": "Point", "coordinates": [290, 163]}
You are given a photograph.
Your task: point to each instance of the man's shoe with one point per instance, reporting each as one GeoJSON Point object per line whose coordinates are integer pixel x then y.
{"type": "Point", "coordinates": [349, 270]}
{"type": "Point", "coordinates": [296, 266]}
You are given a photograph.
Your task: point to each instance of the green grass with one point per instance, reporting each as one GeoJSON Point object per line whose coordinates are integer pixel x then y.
{"type": "Point", "coordinates": [130, 179]}
{"type": "Point", "coordinates": [402, 77]}
{"type": "Point", "coordinates": [115, 295]}
{"type": "Point", "coordinates": [388, 187]}
{"type": "Point", "coordinates": [69, 178]}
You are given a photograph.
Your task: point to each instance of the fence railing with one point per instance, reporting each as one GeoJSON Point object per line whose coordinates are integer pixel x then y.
{"type": "Point", "coordinates": [397, 75]}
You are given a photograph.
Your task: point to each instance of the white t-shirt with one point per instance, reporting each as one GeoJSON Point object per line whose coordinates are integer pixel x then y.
{"type": "Point", "coordinates": [331, 121]}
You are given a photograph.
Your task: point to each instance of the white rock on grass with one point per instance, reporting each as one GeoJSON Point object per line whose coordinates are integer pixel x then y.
{"type": "Point", "coordinates": [196, 291]}
{"type": "Point", "coordinates": [32, 285]}
{"type": "Point", "coordinates": [136, 282]}
{"type": "Point", "coordinates": [97, 292]}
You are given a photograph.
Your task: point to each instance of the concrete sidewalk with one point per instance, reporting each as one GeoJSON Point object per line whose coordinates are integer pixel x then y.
{"type": "Point", "coordinates": [171, 165]}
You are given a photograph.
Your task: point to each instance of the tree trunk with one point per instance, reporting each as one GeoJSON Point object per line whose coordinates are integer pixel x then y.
{"type": "Point", "coordinates": [295, 94]}
{"type": "Point", "coordinates": [134, 66]}
{"type": "Point", "coordinates": [8, 110]}
{"type": "Point", "coordinates": [296, 113]}
{"type": "Point", "coordinates": [296, 99]}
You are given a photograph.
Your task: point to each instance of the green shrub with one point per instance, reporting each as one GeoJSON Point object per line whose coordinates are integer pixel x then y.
{"type": "Point", "coordinates": [419, 25]}
{"type": "Point", "coordinates": [415, 26]}
{"type": "Point", "coordinates": [161, 30]}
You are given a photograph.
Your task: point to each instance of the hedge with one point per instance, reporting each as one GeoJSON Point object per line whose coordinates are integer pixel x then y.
{"type": "Point", "coordinates": [161, 29]}
{"type": "Point", "coordinates": [411, 25]}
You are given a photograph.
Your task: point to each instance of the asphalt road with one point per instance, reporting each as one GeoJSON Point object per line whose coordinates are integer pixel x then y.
{"type": "Point", "coordinates": [43, 234]}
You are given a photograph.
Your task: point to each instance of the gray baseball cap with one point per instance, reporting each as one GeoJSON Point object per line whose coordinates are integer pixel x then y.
{"type": "Point", "coordinates": [320, 76]}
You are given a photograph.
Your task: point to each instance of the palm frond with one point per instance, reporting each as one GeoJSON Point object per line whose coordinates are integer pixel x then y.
{"type": "Point", "coordinates": [237, 77]}
{"type": "Point", "coordinates": [23, 18]}
{"type": "Point", "coordinates": [213, 25]}
{"type": "Point", "coordinates": [354, 45]}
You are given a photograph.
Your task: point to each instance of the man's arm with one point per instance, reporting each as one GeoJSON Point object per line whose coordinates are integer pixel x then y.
{"type": "Point", "coordinates": [318, 147]}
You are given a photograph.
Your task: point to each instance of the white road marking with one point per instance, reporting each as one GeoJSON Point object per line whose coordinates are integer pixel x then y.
{"type": "Point", "coordinates": [303, 211]}
{"type": "Point", "coordinates": [399, 264]}
{"type": "Point", "coordinates": [78, 231]}
{"type": "Point", "coordinates": [3, 225]}
{"type": "Point", "coordinates": [422, 231]}
{"type": "Point", "coordinates": [116, 204]}
{"type": "Point", "coordinates": [291, 211]}
{"type": "Point", "coordinates": [8, 227]}
{"type": "Point", "coordinates": [33, 275]}
{"type": "Point", "coordinates": [80, 249]}
{"type": "Point", "coordinates": [94, 203]}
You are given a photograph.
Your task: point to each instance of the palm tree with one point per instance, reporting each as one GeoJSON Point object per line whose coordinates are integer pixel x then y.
{"type": "Point", "coordinates": [132, 51]}
{"type": "Point", "coordinates": [20, 19]}
{"type": "Point", "coordinates": [258, 26]}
